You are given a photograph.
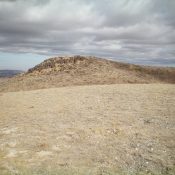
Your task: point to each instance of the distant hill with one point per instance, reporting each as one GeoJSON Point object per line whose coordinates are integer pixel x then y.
{"type": "Point", "coordinates": [9, 73]}
{"type": "Point", "coordinates": [81, 70]}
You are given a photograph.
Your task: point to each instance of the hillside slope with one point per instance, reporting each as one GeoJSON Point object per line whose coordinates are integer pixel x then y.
{"type": "Point", "coordinates": [80, 70]}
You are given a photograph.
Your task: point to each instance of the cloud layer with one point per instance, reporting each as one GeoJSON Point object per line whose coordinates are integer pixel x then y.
{"type": "Point", "coordinates": [138, 31]}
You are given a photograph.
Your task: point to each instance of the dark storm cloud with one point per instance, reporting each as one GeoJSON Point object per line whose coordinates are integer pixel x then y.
{"type": "Point", "coordinates": [130, 30]}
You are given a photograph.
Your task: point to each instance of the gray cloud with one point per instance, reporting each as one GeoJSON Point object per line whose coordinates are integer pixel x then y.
{"type": "Point", "coordinates": [130, 30]}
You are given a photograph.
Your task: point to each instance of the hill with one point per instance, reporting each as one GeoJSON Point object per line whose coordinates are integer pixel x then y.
{"type": "Point", "coordinates": [81, 70]}
{"type": "Point", "coordinates": [9, 73]}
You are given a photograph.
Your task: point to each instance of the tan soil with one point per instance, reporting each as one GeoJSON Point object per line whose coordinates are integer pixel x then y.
{"type": "Point", "coordinates": [100, 129]}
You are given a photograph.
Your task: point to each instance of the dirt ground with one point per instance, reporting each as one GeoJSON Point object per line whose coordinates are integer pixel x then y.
{"type": "Point", "coordinates": [100, 129]}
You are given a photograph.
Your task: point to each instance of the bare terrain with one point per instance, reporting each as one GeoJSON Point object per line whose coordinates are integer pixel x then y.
{"type": "Point", "coordinates": [123, 122]}
{"type": "Point", "coordinates": [99, 129]}
{"type": "Point", "coordinates": [80, 70]}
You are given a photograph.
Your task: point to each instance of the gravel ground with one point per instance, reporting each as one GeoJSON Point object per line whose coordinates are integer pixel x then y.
{"type": "Point", "coordinates": [100, 129]}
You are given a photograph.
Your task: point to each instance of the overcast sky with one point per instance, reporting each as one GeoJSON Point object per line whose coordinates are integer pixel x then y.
{"type": "Point", "coordinates": [135, 31]}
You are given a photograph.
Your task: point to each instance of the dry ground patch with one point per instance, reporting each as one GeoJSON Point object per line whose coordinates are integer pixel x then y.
{"type": "Point", "coordinates": [100, 129]}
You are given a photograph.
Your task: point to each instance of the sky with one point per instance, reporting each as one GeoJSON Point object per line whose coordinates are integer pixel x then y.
{"type": "Point", "coordinates": [133, 31]}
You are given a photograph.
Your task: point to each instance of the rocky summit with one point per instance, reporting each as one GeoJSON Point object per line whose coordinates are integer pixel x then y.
{"type": "Point", "coordinates": [86, 70]}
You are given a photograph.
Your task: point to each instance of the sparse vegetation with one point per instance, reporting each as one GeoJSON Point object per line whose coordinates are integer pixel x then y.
{"type": "Point", "coordinates": [125, 129]}
{"type": "Point", "coordinates": [79, 70]}
{"type": "Point", "coordinates": [111, 129]}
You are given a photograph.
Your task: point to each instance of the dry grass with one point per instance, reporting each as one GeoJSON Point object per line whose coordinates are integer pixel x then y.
{"type": "Point", "coordinates": [78, 70]}
{"type": "Point", "coordinates": [109, 129]}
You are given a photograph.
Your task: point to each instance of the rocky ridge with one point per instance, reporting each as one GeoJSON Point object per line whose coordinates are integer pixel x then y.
{"type": "Point", "coordinates": [85, 70]}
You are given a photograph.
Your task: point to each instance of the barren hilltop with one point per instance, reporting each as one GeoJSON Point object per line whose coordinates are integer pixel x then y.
{"type": "Point", "coordinates": [113, 128]}
{"type": "Point", "coordinates": [86, 70]}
